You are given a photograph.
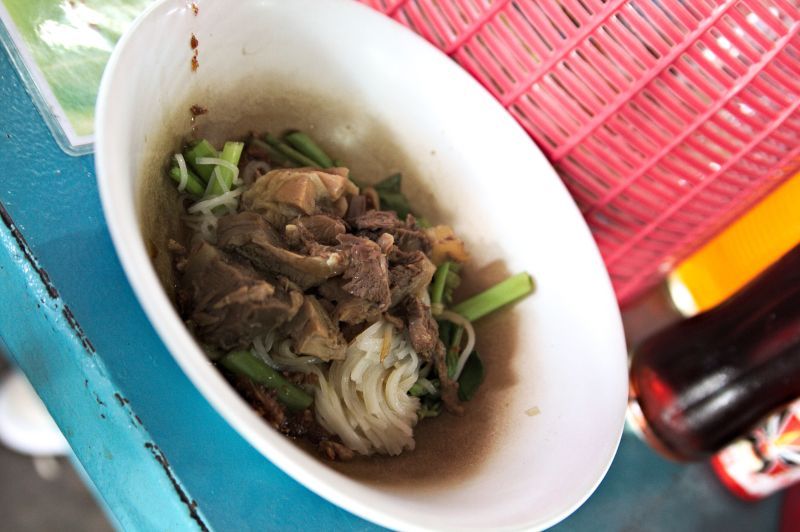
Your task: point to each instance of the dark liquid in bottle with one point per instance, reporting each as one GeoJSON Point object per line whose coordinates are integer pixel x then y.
{"type": "Point", "coordinates": [705, 381]}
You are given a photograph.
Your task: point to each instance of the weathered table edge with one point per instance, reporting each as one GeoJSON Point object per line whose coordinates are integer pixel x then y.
{"type": "Point", "coordinates": [109, 439]}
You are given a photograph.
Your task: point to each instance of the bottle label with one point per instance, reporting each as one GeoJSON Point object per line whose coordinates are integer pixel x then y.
{"type": "Point", "coordinates": [765, 461]}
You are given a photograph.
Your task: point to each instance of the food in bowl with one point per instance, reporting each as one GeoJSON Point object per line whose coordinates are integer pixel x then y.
{"type": "Point", "coordinates": [325, 302]}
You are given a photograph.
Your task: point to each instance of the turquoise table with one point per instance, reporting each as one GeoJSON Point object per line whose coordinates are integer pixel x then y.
{"type": "Point", "coordinates": [158, 455]}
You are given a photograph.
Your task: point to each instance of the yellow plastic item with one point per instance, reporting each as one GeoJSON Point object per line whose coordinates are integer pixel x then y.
{"type": "Point", "coordinates": [740, 252]}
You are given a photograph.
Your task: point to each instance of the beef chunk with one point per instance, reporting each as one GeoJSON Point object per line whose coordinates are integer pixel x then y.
{"type": "Point", "coordinates": [423, 330]}
{"type": "Point", "coordinates": [411, 240]}
{"type": "Point", "coordinates": [354, 310]}
{"type": "Point", "coordinates": [335, 451]}
{"type": "Point", "coordinates": [357, 207]}
{"type": "Point", "coordinates": [316, 229]}
{"type": "Point", "coordinates": [379, 221]}
{"type": "Point", "coordinates": [283, 195]}
{"type": "Point", "coordinates": [367, 273]}
{"type": "Point", "coordinates": [314, 333]}
{"type": "Point", "coordinates": [293, 424]}
{"type": "Point", "coordinates": [250, 236]}
{"type": "Point", "coordinates": [229, 303]}
{"type": "Point", "coordinates": [263, 401]}
{"type": "Point", "coordinates": [407, 237]}
{"type": "Point", "coordinates": [449, 387]}
{"type": "Point", "coordinates": [410, 276]}
{"type": "Point", "coordinates": [348, 308]}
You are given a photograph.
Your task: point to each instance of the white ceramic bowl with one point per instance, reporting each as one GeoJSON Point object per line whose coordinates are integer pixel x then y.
{"type": "Point", "coordinates": [567, 356]}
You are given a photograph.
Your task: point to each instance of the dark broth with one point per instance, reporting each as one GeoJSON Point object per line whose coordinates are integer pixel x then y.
{"type": "Point", "coordinates": [448, 448]}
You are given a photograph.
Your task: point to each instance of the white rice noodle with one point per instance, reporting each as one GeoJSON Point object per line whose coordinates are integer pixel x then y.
{"type": "Point", "coordinates": [216, 161]}
{"type": "Point", "coordinates": [253, 170]}
{"type": "Point", "coordinates": [184, 172]}
{"type": "Point", "coordinates": [229, 200]}
{"type": "Point", "coordinates": [470, 330]}
{"type": "Point", "coordinates": [365, 400]}
{"type": "Point", "coordinates": [281, 357]}
{"type": "Point", "coordinates": [428, 385]}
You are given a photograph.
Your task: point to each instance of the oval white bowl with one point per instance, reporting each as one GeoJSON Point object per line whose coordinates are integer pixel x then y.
{"type": "Point", "coordinates": [570, 358]}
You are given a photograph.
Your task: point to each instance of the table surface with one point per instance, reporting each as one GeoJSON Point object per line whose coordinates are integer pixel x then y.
{"type": "Point", "coordinates": [158, 455]}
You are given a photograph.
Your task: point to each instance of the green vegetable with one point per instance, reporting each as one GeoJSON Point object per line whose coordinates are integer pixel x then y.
{"type": "Point", "coordinates": [471, 377]}
{"type": "Point", "coordinates": [274, 156]}
{"type": "Point", "coordinates": [501, 294]}
{"type": "Point", "coordinates": [417, 390]}
{"type": "Point", "coordinates": [231, 152]}
{"type": "Point", "coordinates": [246, 364]}
{"type": "Point", "coordinates": [446, 329]}
{"type": "Point", "coordinates": [429, 408]}
{"type": "Point", "coordinates": [423, 223]}
{"type": "Point", "coordinates": [451, 283]}
{"type": "Point", "coordinates": [391, 197]}
{"type": "Point", "coordinates": [194, 185]}
{"type": "Point", "coordinates": [454, 351]}
{"type": "Point", "coordinates": [290, 152]}
{"type": "Point", "coordinates": [201, 148]}
{"type": "Point", "coordinates": [303, 143]}
{"type": "Point", "coordinates": [438, 284]}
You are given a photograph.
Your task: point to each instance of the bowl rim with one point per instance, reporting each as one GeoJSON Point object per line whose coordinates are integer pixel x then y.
{"type": "Point", "coordinates": [225, 401]}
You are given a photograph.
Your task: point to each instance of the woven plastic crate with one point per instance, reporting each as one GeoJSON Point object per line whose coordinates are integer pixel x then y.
{"type": "Point", "coordinates": [665, 118]}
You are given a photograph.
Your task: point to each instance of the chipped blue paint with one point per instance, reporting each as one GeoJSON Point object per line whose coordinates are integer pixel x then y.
{"type": "Point", "coordinates": [41, 334]}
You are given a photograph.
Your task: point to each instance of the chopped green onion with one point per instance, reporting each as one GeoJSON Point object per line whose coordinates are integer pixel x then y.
{"type": "Point", "coordinates": [197, 150]}
{"type": "Point", "coordinates": [454, 352]}
{"type": "Point", "coordinates": [248, 365]}
{"type": "Point", "coordinates": [289, 152]}
{"type": "Point", "coordinates": [423, 223]}
{"type": "Point", "coordinates": [194, 185]}
{"type": "Point", "coordinates": [303, 143]}
{"type": "Point", "coordinates": [391, 196]}
{"type": "Point", "coordinates": [430, 409]}
{"type": "Point", "coordinates": [501, 294]}
{"type": "Point", "coordinates": [417, 390]}
{"type": "Point", "coordinates": [231, 152]}
{"type": "Point", "coordinates": [274, 156]}
{"type": "Point", "coordinates": [438, 286]}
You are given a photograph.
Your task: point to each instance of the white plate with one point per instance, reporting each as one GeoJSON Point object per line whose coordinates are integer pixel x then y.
{"type": "Point", "coordinates": [494, 186]}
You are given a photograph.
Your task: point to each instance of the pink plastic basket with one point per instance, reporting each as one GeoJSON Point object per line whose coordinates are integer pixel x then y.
{"type": "Point", "coordinates": [665, 118]}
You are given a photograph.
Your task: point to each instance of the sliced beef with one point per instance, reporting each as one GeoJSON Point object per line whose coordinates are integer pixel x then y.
{"type": "Point", "coordinates": [283, 195]}
{"type": "Point", "coordinates": [314, 333]}
{"type": "Point", "coordinates": [335, 451]}
{"type": "Point", "coordinates": [249, 235]}
{"type": "Point", "coordinates": [367, 272]}
{"type": "Point", "coordinates": [263, 401]}
{"type": "Point", "coordinates": [423, 331]}
{"type": "Point", "coordinates": [396, 321]}
{"type": "Point", "coordinates": [411, 240]}
{"type": "Point", "coordinates": [354, 310]}
{"type": "Point", "coordinates": [293, 424]}
{"type": "Point", "coordinates": [348, 308]}
{"type": "Point", "coordinates": [407, 236]}
{"type": "Point", "coordinates": [449, 387]}
{"type": "Point", "coordinates": [386, 243]}
{"type": "Point", "coordinates": [228, 303]}
{"type": "Point", "coordinates": [378, 221]}
{"type": "Point", "coordinates": [356, 208]}
{"type": "Point", "coordinates": [319, 229]}
{"type": "Point", "coordinates": [411, 276]}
